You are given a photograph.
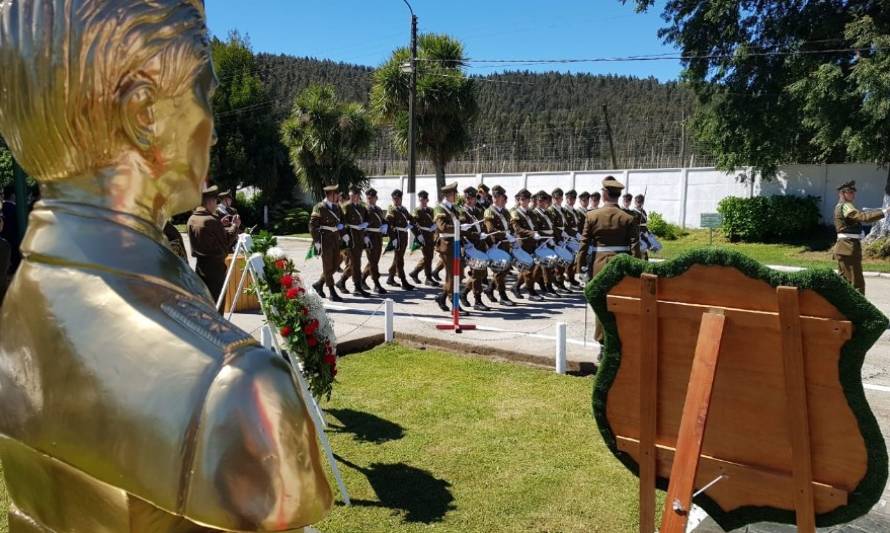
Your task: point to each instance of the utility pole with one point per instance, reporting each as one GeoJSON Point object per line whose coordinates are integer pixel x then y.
{"type": "Point", "coordinates": [412, 120]}
{"type": "Point", "coordinates": [609, 135]}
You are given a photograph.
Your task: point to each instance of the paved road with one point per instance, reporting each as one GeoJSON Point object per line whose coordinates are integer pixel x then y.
{"type": "Point", "coordinates": [530, 329]}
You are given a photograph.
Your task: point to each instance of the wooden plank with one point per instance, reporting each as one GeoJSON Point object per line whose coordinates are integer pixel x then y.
{"type": "Point", "coordinates": [648, 307]}
{"type": "Point", "coordinates": [761, 487]}
{"type": "Point", "coordinates": [812, 326]}
{"type": "Point", "coordinates": [693, 423]}
{"type": "Point", "coordinates": [797, 413]}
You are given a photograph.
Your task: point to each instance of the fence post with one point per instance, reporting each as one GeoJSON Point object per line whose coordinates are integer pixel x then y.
{"type": "Point", "coordinates": [388, 335]}
{"type": "Point", "coordinates": [684, 191]}
{"type": "Point", "coordinates": [560, 347]}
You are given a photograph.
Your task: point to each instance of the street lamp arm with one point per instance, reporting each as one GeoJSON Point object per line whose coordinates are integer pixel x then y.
{"type": "Point", "coordinates": [409, 7]}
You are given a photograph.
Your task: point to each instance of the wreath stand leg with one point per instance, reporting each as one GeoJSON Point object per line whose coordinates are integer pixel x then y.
{"type": "Point", "coordinates": [254, 267]}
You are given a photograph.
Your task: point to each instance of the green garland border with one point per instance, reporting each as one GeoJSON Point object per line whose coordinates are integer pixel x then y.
{"type": "Point", "coordinates": [868, 325]}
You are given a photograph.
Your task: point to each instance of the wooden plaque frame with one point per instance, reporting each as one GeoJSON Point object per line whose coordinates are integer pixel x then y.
{"type": "Point", "coordinates": [785, 343]}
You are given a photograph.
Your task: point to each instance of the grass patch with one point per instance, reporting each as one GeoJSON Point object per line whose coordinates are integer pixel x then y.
{"type": "Point", "coordinates": [430, 441]}
{"type": "Point", "coordinates": [812, 252]}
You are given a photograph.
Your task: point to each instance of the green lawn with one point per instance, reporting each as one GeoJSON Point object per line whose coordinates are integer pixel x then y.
{"type": "Point", "coordinates": [812, 252]}
{"type": "Point", "coordinates": [435, 442]}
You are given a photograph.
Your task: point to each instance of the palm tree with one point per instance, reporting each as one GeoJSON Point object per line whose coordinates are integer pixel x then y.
{"type": "Point", "coordinates": [323, 135]}
{"type": "Point", "coordinates": [445, 105]}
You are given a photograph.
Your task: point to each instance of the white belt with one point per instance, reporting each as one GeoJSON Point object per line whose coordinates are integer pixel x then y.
{"type": "Point", "coordinates": [357, 228]}
{"type": "Point", "coordinates": [329, 228]}
{"type": "Point", "coordinates": [430, 229]}
{"type": "Point", "coordinates": [854, 236]}
{"type": "Point", "coordinates": [600, 249]}
{"type": "Point", "coordinates": [372, 230]}
{"type": "Point", "coordinates": [405, 230]}
{"type": "Point", "coordinates": [547, 231]}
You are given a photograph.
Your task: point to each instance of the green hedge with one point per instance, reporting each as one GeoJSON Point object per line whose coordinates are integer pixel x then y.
{"type": "Point", "coordinates": [769, 219]}
{"type": "Point", "coordinates": [663, 229]}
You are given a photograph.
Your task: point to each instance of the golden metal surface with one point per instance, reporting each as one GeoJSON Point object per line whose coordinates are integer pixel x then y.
{"type": "Point", "coordinates": [129, 405]}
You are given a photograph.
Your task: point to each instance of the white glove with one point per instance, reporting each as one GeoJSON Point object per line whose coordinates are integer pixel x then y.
{"type": "Point", "coordinates": [340, 227]}
{"type": "Point", "coordinates": [368, 242]}
{"type": "Point", "coordinates": [465, 227]}
{"type": "Point", "coordinates": [537, 235]}
{"type": "Point", "coordinates": [483, 235]}
{"type": "Point", "coordinates": [346, 239]}
{"type": "Point", "coordinates": [395, 243]}
{"type": "Point", "coordinates": [364, 225]}
{"type": "Point", "coordinates": [420, 239]}
{"type": "Point", "coordinates": [318, 247]}
{"type": "Point", "coordinates": [511, 238]}
{"type": "Point", "coordinates": [384, 228]}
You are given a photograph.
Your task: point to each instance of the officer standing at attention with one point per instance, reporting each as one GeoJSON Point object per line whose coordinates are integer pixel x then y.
{"type": "Point", "coordinates": [355, 218]}
{"type": "Point", "coordinates": [400, 222]}
{"type": "Point", "coordinates": [497, 225]}
{"type": "Point", "coordinates": [326, 228]}
{"type": "Point", "coordinates": [523, 223]}
{"type": "Point", "coordinates": [848, 223]}
{"type": "Point", "coordinates": [445, 215]}
{"type": "Point", "coordinates": [423, 218]}
{"type": "Point", "coordinates": [375, 231]}
{"type": "Point", "coordinates": [471, 218]}
{"type": "Point", "coordinates": [210, 242]}
{"type": "Point", "coordinates": [581, 210]}
{"type": "Point", "coordinates": [594, 201]}
{"type": "Point", "coordinates": [608, 231]}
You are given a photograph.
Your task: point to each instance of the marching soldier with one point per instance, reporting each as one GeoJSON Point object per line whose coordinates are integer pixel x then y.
{"type": "Point", "coordinates": [483, 197]}
{"type": "Point", "coordinates": [423, 217]}
{"type": "Point", "coordinates": [561, 227]}
{"type": "Point", "coordinates": [354, 218]}
{"type": "Point", "coordinates": [522, 221]}
{"type": "Point", "coordinates": [626, 199]}
{"type": "Point", "coordinates": [581, 210]}
{"type": "Point", "coordinates": [608, 231]}
{"type": "Point", "coordinates": [497, 225]}
{"type": "Point", "coordinates": [573, 223]}
{"type": "Point", "coordinates": [210, 242]}
{"type": "Point", "coordinates": [544, 226]}
{"type": "Point", "coordinates": [471, 218]}
{"type": "Point", "coordinates": [400, 222]}
{"type": "Point", "coordinates": [326, 228]}
{"type": "Point", "coordinates": [375, 231]}
{"type": "Point", "coordinates": [848, 223]}
{"type": "Point", "coordinates": [643, 217]}
{"type": "Point", "coordinates": [594, 201]}
{"type": "Point", "coordinates": [445, 215]}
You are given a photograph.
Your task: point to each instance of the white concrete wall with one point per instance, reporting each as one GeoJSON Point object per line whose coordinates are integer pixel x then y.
{"type": "Point", "coordinates": [680, 194]}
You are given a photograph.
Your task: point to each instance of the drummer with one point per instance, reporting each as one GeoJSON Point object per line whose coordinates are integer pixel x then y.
{"type": "Point", "coordinates": [444, 215]}
{"type": "Point", "coordinates": [522, 221]}
{"type": "Point", "coordinates": [560, 225]}
{"type": "Point", "coordinates": [573, 223]}
{"type": "Point", "coordinates": [471, 217]}
{"type": "Point", "coordinates": [544, 227]}
{"type": "Point", "coordinates": [497, 225]}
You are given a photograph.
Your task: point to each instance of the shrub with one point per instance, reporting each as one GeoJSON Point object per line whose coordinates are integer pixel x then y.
{"type": "Point", "coordinates": [879, 249]}
{"type": "Point", "coordinates": [663, 229]}
{"type": "Point", "coordinates": [250, 210]}
{"type": "Point", "coordinates": [287, 218]}
{"type": "Point", "coordinates": [765, 219]}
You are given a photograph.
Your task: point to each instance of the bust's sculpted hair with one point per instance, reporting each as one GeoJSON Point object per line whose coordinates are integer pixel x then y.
{"type": "Point", "coordinates": [65, 63]}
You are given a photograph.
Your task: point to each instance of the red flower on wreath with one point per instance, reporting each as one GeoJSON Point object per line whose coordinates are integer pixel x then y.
{"type": "Point", "coordinates": [281, 264]}
{"type": "Point", "coordinates": [305, 311]}
{"type": "Point", "coordinates": [312, 327]}
{"type": "Point", "coordinates": [311, 341]}
{"type": "Point", "coordinates": [287, 281]}
{"type": "Point", "coordinates": [293, 292]}
{"type": "Point", "coordinates": [286, 331]}
{"type": "Point", "coordinates": [330, 359]}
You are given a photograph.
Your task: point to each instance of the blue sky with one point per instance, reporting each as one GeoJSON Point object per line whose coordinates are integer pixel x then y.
{"type": "Point", "coordinates": [366, 31]}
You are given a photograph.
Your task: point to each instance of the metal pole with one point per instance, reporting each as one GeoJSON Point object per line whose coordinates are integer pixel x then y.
{"type": "Point", "coordinates": [609, 135]}
{"type": "Point", "coordinates": [561, 348]}
{"type": "Point", "coordinates": [412, 120]}
{"type": "Point", "coordinates": [21, 197]}
{"type": "Point", "coordinates": [388, 320]}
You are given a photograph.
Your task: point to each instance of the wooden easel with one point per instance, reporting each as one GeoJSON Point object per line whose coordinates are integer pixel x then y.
{"type": "Point", "coordinates": [696, 407]}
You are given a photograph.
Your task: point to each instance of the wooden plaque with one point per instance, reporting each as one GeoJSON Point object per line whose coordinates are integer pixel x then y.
{"type": "Point", "coordinates": [759, 391]}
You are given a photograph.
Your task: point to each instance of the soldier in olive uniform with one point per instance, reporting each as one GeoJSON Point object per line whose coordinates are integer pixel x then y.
{"type": "Point", "coordinates": [445, 214]}
{"type": "Point", "coordinates": [522, 221]}
{"type": "Point", "coordinates": [483, 197]}
{"type": "Point", "coordinates": [594, 201]}
{"type": "Point", "coordinates": [561, 232]}
{"type": "Point", "coordinates": [210, 242]}
{"type": "Point", "coordinates": [423, 217]}
{"type": "Point", "coordinates": [400, 223]}
{"type": "Point", "coordinates": [375, 231]}
{"type": "Point", "coordinates": [581, 210]}
{"type": "Point", "coordinates": [608, 231]}
{"type": "Point", "coordinates": [545, 276]}
{"type": "Point", "coordinates": [355, 217]}
{"type": "Point", "coordinates": [327, 229]}
{"type": "Point", "coordinates": [497, 225]}
{"type": "Point", "coordinates": [643, 217]}
{"type": "Point", "coordinates": [574, 224]}
{"type": "Point", "coordinates": [848, 223]}
{"type": "Point", "coordinates": [174, 239]}
{"type": "Point", "coordinates": [471, 218]}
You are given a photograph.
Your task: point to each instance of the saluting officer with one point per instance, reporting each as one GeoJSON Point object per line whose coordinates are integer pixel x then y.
{"type": "Point", "coordinates": [523, 224]}
{"type": "Point", "coordinates": [426, 225]}
{"type": "Point", "coordinates": [327, 229]}
{"type": "Point", "coordinates": [609, 230]}
{"type": "Point", "coordinates": [400, 222]}
{"type": "Point", "coordinates": [375, 231]}
{"type": "Point", "coordinates": [848, 222]}
{"type": "Point", "coordinates": [497, 225]}
{"type": "Point", "coordinates": [210, 242]}
{"type": "Point", "coordinates": [471, 218]}
{"type": "Point", "coordinates": [355, 217]}
{"type": "Point", "coordinates": [445, 214]}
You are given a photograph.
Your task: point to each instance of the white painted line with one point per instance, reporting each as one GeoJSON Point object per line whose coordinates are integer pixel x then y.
{"type": "Point", "coordinates": [881, 388]}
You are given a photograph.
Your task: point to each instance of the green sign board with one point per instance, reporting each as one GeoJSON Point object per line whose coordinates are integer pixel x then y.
{"type": "Point", "coordinates": [711, 220]}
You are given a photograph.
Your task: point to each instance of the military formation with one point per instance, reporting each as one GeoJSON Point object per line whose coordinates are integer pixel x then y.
{"type": "Point", "coordinates": [545, 246]}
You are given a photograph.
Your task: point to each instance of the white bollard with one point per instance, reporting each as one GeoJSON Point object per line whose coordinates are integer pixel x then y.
{"type": "Point", "coordinates": [388, 335]}
{"type": "Point", "coordinates": [266, 337]}
{"type": "Point", "coordinates": [560, 347]}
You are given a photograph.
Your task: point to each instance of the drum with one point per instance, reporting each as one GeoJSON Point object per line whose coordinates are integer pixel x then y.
{"type": "Point", "coordinates": [546, 257]}
{"type": "Point", "coordinates": [476, 259]}
{"type": "Point", "coordinates": [573, 246]}
{"type": "Point", "coordinates": [565, 256]}
{"type": "Point", "coordinates": [499, 260]}
{"type": "Point", "coordinates": [522, 259]}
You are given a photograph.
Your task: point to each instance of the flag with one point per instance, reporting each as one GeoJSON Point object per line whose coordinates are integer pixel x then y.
{"type": "Point", "coordinates": [415, 245]}
{"type": "Point", "coordinates": [311, 253]}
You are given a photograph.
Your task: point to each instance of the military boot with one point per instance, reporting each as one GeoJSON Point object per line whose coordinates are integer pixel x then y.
{"type": "Point", "coordinates": [480, 305]}
{"type": "Point", "coordinates": [415, 276]}
{"type": "Point", "coordinates": [342, 285]}
{"type": "Point", "coordinates": [517, 289]}
{"type": "Point", "coordinates": [489, 291]}
{"type": "Point", "coordinates": [440, 299]}
{"type": "Point", "coordinates": [507, 302]}
{"type": "Point", "coordinates": [319, 288]}
{"type": "Point", "coordinates": [391, 281]}
{"type": "Point", "coordinates": [334, 296]}
{"type": "Point", "coordinates": [378, 288]}
{"type": "Point", "coordinates": [464, 301]}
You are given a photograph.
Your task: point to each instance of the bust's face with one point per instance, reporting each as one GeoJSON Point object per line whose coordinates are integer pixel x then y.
{"type": "Point", "coordinates": [185, 134]}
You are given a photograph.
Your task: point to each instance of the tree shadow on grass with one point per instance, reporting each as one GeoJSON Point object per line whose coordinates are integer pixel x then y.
{"type": "Point", "coordinates": [423, 497]}
{"type": "Point", "coordinates": [366, 427]}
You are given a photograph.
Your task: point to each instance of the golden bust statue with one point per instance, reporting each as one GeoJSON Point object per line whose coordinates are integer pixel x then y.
{"type": "Point", "coordinates": [128, 404]}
